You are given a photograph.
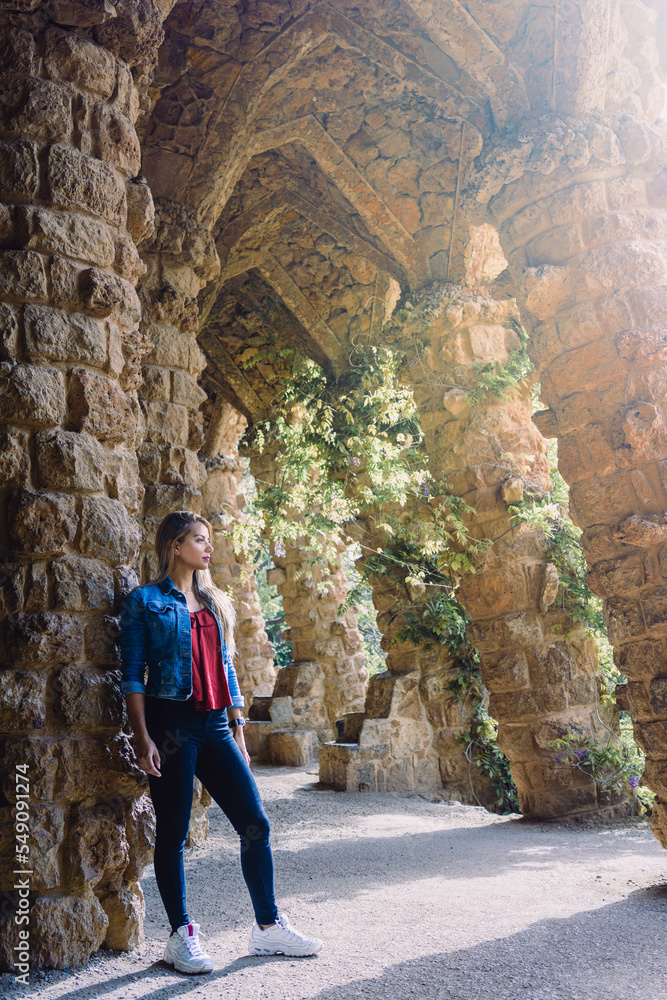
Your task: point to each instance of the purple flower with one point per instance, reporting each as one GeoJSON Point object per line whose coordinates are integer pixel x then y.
{"type": "Point", "coordinates": [425, 489]}
{"type": "Point", "coordinates": [633, 780]}
{"type": "Point", "coordinates": [582, 754]}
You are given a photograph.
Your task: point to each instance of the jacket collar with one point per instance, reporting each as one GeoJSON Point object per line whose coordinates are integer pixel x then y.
{"type": "Point", "coordinates": [167, 586]}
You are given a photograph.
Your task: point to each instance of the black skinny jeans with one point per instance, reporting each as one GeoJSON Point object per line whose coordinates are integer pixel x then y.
{"type": "Point", "coordinates": [200, 743]}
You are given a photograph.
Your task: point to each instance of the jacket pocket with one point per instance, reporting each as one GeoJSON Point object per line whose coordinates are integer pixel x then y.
{"type": "Point", "coordinates": [160, 619]}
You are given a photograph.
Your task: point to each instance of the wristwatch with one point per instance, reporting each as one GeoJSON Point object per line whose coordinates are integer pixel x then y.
{"type": "Point", "coordinates": [237, 722]}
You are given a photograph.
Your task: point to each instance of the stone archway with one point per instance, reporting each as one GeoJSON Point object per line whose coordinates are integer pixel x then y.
{"type": "Point", "coordinates": [322, 202]}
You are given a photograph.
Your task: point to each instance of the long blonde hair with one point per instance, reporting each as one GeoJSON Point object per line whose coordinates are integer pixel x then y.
{"type": "Point", "coordinates": [175, 527]}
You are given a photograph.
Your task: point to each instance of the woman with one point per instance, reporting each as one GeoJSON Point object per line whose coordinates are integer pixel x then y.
{"type": "Point", "coordinates": [187, 721]}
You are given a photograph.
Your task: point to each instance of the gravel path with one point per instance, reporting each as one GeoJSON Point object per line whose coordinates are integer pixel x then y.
{"type": "Point", "coordinates": [414, 898]}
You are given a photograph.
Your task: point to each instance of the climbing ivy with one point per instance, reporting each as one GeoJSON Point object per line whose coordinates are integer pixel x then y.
{"type": "Point", "coordinates": [353, 467]}
{"type": "Point", "coordinates": [443, 622]}
{"type": "Point", "coordinates": [618, 759]}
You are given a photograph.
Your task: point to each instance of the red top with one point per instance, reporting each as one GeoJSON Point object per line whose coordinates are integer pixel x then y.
{"type": "Point", "coordinates": [209, 683]}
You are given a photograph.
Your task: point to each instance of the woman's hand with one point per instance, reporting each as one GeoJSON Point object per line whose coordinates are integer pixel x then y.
{"type": "Point", "coordinates": [148, 755]}
{"type": "Point", "coordinates": [240, 742]}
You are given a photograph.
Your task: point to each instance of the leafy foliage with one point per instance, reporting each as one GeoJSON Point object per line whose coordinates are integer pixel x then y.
{"type": "Point", "coordinates": [443, 621]}
{"type": "Point", "coordinates": [563, 549]}
{"type": "Point", "coordinates": [350, 448]}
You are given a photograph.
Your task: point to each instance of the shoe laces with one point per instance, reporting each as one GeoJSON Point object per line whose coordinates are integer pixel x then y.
{"type": "Point", "coordinates": [192, 944]}
{"type": "Point", "coordinates": [292, 935]}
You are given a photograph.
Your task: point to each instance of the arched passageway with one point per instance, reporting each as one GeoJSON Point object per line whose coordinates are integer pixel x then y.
{"type": "Point", "coordinates": [303, 165]}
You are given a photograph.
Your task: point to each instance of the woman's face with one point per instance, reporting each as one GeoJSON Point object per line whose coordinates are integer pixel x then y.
{"type": "Point", "coordinates": [195, 549]}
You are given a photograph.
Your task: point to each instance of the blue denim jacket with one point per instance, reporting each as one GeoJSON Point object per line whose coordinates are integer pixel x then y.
{"type": "Point", "coordinates": [155, 633]}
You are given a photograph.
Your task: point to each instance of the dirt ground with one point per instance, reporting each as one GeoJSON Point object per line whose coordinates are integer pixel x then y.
{"type": "Point", "coordinates": [413, 898]}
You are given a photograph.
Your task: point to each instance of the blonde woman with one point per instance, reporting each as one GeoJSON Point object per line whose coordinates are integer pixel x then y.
{"type": "Point", "coordinates": [187, 720]}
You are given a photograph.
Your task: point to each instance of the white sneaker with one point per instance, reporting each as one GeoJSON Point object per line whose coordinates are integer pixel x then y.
{"type": "Point", "coordinates": [184, 953]}
{"type": "Point", "coordinates": [281, 939]}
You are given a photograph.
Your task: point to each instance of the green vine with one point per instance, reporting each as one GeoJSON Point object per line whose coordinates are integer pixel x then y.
{"type": "Point", "coordinates": [354, 468]}
{"type": "Point", "coordinates": [610, 762]}
{"type": "Point", "coordinates": [443, 622]}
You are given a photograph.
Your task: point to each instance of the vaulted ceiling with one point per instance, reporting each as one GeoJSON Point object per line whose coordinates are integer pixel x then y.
{"type": "Point", "coordinates": [326, 144]}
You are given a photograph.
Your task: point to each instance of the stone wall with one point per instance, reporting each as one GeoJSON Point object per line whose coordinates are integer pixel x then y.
{"type": "Point", "coordinates": [537, 663]}
{"type": "Point", "coordinates": [223, 504]}
{"type": "Point", "coordinates": [70, 355]}
{"type": "Point", "coordinates": [582, 216]}
{"type": "Point", "coordinates": [327, 678]}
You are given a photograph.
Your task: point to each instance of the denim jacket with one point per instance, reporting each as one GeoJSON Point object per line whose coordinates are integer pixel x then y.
{"type": "Point", "coordinates": [155, 633]}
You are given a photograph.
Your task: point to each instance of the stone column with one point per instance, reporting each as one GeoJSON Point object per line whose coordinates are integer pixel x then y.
{"type": "Point", "coordinates": [536, 662]}
{"type": "Point", "coordinates": [580, 206]}
{"type": "Point", "coordinates": [407, 737]}
{"type": "Point", "coordinates": [69, 353]}
{"type": "Point", "coordinates": [179, 259]}
{"type": "Point", "coordinates": [223, 505]}
{"type": "Point", "coordinates": [327, 678]}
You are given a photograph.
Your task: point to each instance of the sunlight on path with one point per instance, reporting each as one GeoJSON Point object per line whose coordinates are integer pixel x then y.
{"type": "Point", "coordinates": [414, 899]}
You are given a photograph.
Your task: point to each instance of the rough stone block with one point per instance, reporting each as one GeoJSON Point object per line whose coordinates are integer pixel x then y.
{"type": "Point", "coordinates": [125, 910]}
{"type": "Point", "coordinates": [523, 704]}
{"type": "Point", "coordinates": [99, 406]}
{"type": "Point", "coordinates": [140, 833]}
{"type": "Point", "coordinates": [67, 460]}
{"type": "Point", "coordinates": [41, 522]}
{"type": "Point", "coordinates": [509, 673]}
{"type": "Point", "coordinates": [641, 660]}
{"type": "Point", "coordinates": [89, 698]}
{"type": "Point", "coordinates": [299, 680]}
{"type": "Point", "coordinates": [161, 500]}
{"type": "Point", "coordinates": [9, 328]}
{"type": "Point", "coordinates": [47, 830]}
{"type": "Point", "coordinates": [125, 580]}
{"type": "Point", "coordinates": [51, 231]}
{"type": "Point", "coordinates": [36, 109]}
{"type": "Point", "coordinates": [78, 181]}
{"type": "Point", "coordinates": [108, 531]}
{"type": "Point", "coordinates": [14, 456]}
{"type": "Point", "coordinates": [64, 336]}
{"type": "Point", "coordinates": [127, 98]}
{"type": "Point", "coordinates": [140, 212]}
{"type": "Point", "coordinates": [170, 346]}
{"type": "Point", "coordinates": [19, 169]}
{"type": "Point", "coordinates": [116, 139]}
{"type": "Point", "coordinates": [123, 480]}
{"type": "Point", "coordinates": [31, 394]}
{"type": "Point", "coordinates": [654, 608]}
{"type": "Point", "coordinates": [257, 734]}
{"type": "Point", "coordinates": [103, 292]}
{"type": "Point", "coordinates": [186, 391]}
{"type": "Point", "coordinates": [41, 756]}
{"type": "Point", "coordinates": [167, 424]}
{"type": "Point", "coordinates": [97, 845]}
{"type": "Point", "coordinates": [82, 584]}
{"type": "Point", "coordinates": [102, 640]}
{"type": "Point", "coordinates": [293, 748]}
{"type": "Point", "coordinates": [127, 262]}
{"type": "Point", "coordinates": [22, 275]}
{"type": "Point", "coordinates": [18, 49]}
{"type": "Point", "coordinates": [65, 283]}
{"type": "Point", "coordinates": [12, 581]}
{"type": "Point", "coordinates": [22, 700]}
{"type": "Point", "coordinates": [72, 58]}
{"type": "Point", "coordinates": [624, 620]}
{"type": "Point", "coordinates": [44, 638]}
{"type": "Point", "coordinates": [66, 930]}
{"type": "Point", "coordinates": [156, 383]}
{"type": "Point", "coordinates": [652, 738]}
